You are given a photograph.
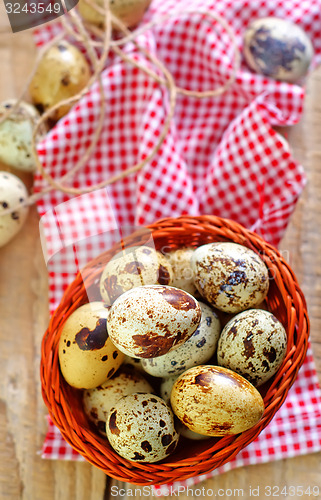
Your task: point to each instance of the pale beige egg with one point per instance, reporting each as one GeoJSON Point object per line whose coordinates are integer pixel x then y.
{"type": "Point", "coordinates": [180, 260]}
{"type": "Point", "coordinates": [215, 401]}
{"type": "Point", "coordinates": [165, 388]}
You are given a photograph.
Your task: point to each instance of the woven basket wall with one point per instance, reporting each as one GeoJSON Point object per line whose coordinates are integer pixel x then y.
{"type": "Point", "coordinates": [285, 300]}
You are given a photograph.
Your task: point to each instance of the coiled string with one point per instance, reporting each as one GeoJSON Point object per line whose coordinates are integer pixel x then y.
{"type": "Point", "coordinates": [97, 44]}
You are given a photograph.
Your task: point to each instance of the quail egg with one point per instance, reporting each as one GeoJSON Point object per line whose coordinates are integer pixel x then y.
{"type": "Point", "coordinates": [98, 401]}
{"type": "Point", "coordinates": [134, 267]}
{"type": "Point", "coordinates": [215, 401]}
{"type": "Point", "coordinates": [148, 321]}
{"type": "Point", "coordinates": [278, 48]}
{"type": "Point", "coordinates": [87, 356]}
{"type": "Point", "coordinates": [231, 277]}
{"type": "Point", "coordinates": [16, 133]}
{"type": "Point", "coordinates": [165, 390]}
{"type": "Point", "coordinates": [198, 349]}
{"type": "Point", "coordinates": [140, 427]}
{"type": "Point", "coordinates": [12, 193]}
{"type": "Point", "coordinates": [253, 344]}
{"type": "Point", "coordinates": [62, 73]}
{"type": "Point", "coordinates": [134, 362]}
{"type": "Point", "coordinates": [129, 12]}
{"type": "Point", "coordinates": [180, 260]}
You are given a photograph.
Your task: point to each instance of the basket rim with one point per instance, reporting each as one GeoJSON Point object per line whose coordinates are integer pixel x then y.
{"type": "Point", "coordinates": [213, 456]}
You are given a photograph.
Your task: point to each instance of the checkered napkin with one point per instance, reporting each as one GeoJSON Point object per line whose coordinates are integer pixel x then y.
{"type": "Point", "coordinates": [221, 156]}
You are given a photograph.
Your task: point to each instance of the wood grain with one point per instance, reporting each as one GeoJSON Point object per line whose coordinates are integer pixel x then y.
{"type": "Point", "coordinates": [24, 316]}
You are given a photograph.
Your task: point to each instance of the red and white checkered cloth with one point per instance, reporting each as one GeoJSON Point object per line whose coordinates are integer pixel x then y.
{"type": "Point", "coordinates": [221, 156]}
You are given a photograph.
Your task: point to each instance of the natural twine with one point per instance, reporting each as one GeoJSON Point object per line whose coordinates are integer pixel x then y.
{"type": "Point", "coordinates": [97, 44]}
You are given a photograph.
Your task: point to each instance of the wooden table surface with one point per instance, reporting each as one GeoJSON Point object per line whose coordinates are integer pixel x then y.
{"type": "Point", "coordinates": [24, 316]}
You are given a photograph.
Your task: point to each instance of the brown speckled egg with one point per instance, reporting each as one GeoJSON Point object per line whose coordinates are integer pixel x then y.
{"type": "Point", "coordinates": [253, 344]}
{"type": "Point", "coordinates": [278, 48]}
{"type": "Point", "coordinates": [136, 266]}
{"type": "Point", "coordinates": [148, 321]}
{"type": "Point", "coordinates": [140, 427]}
{"type": "Point", "coordinates": [229, 276]}
{"type": "Point", "coordinates": [180, 260]}
{"type": "Point", "coordinates": [12, 193]}
{"type": "Point", "coordinates": [215, 401]}
{"type": "Point", "coordinates": [165, 390]}
{"type": "Point", "coordinates": [87, 355]}
{"type": "Point", "coordinates": [197, 350]}
{"type": "Point", "coordinates": [97, 402]}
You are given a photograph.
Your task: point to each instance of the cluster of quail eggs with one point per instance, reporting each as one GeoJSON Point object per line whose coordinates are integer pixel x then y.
{"type": "Point", "coordinates": [179, 345]}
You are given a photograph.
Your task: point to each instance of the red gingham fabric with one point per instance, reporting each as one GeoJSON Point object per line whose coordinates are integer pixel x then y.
{"type": "Point", "coordinates": [221, 156]}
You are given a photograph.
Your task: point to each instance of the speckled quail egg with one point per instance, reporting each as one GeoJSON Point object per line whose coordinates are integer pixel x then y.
{"type": "Point", "coordinates": [98, 401]}
{"type": "Point", "coordinates": [87, 355]}
{"type": "Point", "coordinates": [16, 133]}
{"type": "Point", "coordinates": [253, 344]}
{"type": "Point", "coordinates": [198, 349]}
{"type": "Point", "coordinates": [216, 401]}
{"type": "Point", "coordinates": [13, 192]}
{"type": "Point", "coordinates": [129, 12]}
{"type": "Point", "coordinates": [231, 277]}
{"type": "Point", "coordinates": [135, 362]}
{"type": "Point", "coordinates": [187, 433]}
{"type": "Point", "coordinates": [148, 321]}
{"type": "Point", "coordinates": [134, 267]}
{"type": "Point", "coordinates": [62, 73]}
{"type": "Point", "coordinates": [180, 260]}
{"type": "Point", "coordinates": [165, 389]}
{"type": "Point", "coordinates": [278, 48]}
{"type": "Point", "coordinates": [140, 427]}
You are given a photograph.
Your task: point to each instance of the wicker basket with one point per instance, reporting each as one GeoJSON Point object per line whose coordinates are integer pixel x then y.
{"type": "Point", "coordinates": [285, 300]}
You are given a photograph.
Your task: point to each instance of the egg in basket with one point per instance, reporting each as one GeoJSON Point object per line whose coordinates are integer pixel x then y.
{"type": "Point", "coordinates": [196, 341]}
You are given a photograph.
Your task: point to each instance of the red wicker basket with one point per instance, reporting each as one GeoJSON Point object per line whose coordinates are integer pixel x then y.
{"type": "Point", "coordinates": [285, 300]}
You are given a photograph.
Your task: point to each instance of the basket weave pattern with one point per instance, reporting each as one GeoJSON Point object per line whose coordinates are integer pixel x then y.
{"type": "Point", "coordinates": [285, 300]}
